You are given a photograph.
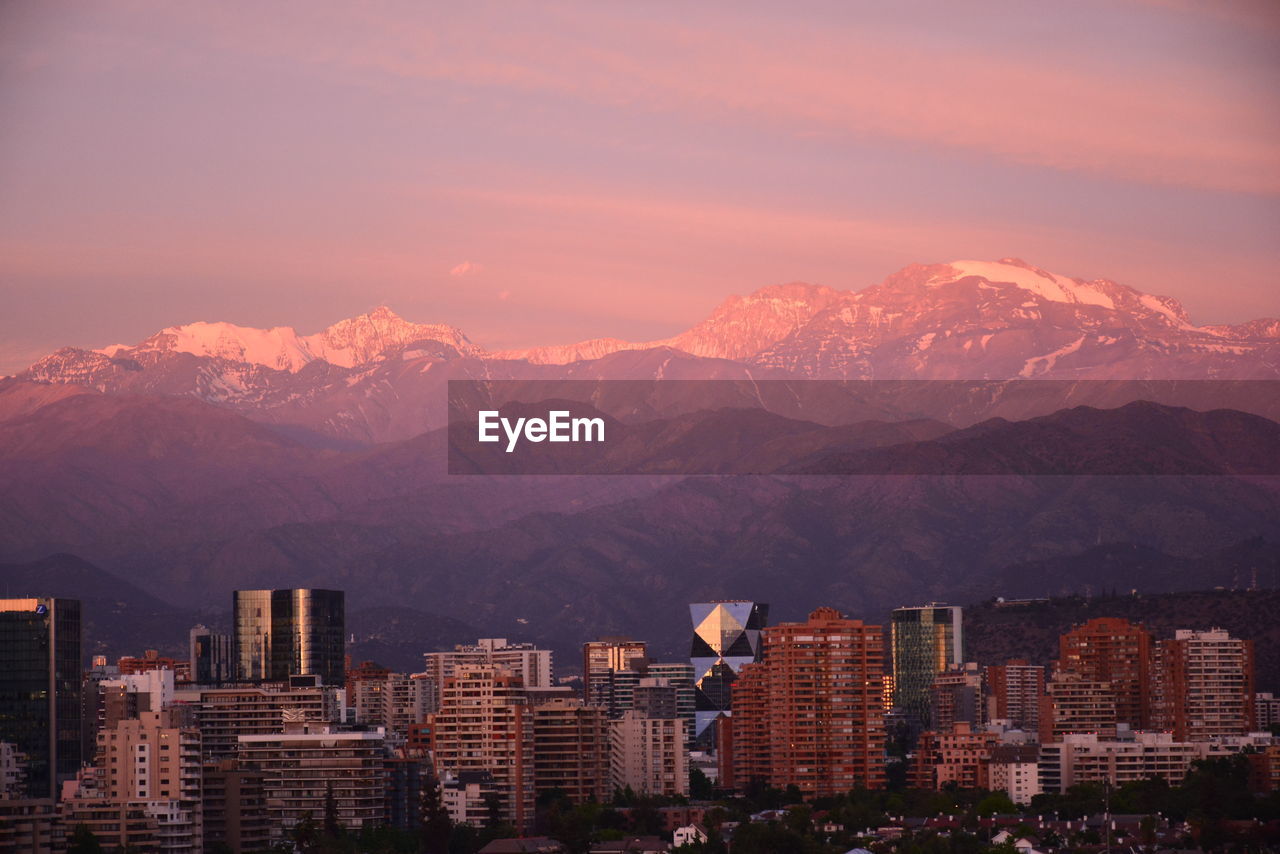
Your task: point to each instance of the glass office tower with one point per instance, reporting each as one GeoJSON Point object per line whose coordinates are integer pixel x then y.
{"type": "Point", "coordinates": [926, 641]}
{"type": "Point", "coordinates": [726, 635]}
{"type": "Point", "coordinates": [40, 684]}
{"type": "Point", "coordinates": [210, 656]}
{"type": "Point", "coordinates": [281, 633]}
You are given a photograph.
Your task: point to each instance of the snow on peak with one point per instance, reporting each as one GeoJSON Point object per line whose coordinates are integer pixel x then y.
{"type": "Point", "coordinates": [1042, 283]}
{"type": "Point", "coordinates": [278, 347]}
{"type": "Point", "coordinates": [360, 339]}
{"type": "Point", "coordinates": [347, 343]}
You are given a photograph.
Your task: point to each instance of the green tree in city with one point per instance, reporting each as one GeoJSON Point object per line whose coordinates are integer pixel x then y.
{"type": "Point", "coordinates": [700, 787]}
{"type": "Point", "coordinates": [83, 841]}
{"type": "Point", "coordinates": [435, 828]}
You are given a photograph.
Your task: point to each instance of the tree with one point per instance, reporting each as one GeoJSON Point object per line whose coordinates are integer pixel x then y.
{"type": "Point", "coordinates": [493, 808]}
{"type": "Point", "coordinates": [434, 825]}
{"type": "Point", "coordinates": [306, 836]}
{"type": "Point", "coordinates": [996, 802]}
{"type": "Point", "coordinates": [83, 841]}
{"type": "Point", "coordinates": [332, 827]}
{"type": "Point", "coordinates": [700, 788]}
{"type": "Point", "coordinates": [645, 817]}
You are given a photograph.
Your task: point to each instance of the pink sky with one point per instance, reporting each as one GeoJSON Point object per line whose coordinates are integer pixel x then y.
{"type": "Point", "coordinates": [542, 174]}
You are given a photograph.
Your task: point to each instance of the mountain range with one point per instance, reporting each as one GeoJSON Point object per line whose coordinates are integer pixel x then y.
{"type": "Point", "coordinates": [378, 377]}
{"type": "Point", "coordinates": [212, 456]}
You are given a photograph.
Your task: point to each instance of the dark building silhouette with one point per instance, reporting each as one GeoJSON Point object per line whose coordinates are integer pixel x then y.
{"type": "Point", "coordinates": [40, 688]}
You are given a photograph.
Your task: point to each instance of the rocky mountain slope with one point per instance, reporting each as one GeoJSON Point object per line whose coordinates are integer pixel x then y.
{"type": "Point", "coordinates": [378, 377]}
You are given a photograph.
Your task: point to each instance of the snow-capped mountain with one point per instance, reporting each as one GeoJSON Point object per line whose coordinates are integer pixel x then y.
{"type": "Point", "coordinates": [377, 376]}
{"type": "Point", "coordinates": [348, 343]}
{"type": "Point", "coordinates": [1006, 319]}
{"type": "Point", "coordinates": [739, 328]}
{"type": "Point", "coordinates": [963, 320]}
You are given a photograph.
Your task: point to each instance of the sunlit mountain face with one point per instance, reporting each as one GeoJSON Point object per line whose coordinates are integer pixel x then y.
{"type": "Point", "coordinates": [379, 377]}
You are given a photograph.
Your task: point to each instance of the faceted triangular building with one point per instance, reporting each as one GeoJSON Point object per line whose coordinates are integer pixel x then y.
{"type": "Point", "coordinates": [726, 635]}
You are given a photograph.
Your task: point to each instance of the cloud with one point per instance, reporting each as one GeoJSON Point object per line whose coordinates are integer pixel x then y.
{"type": "Point", "coordinates": [1171, 122]}
{"type": "Point", "coordinates": [504, 295]}
{"type": "Point", "coordinates": [463, 269]}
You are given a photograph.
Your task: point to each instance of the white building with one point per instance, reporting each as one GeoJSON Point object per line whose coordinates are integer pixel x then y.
{"type": "Point", "coordinates": [468, 795]}
{"type": "Point", "coordinates": [690, 834]}
{"type": "Point", "coordinates": [1084, 758]}
{"type": "Point", "coordinates": [1015, 770]}
{"type": "Point", "coordinates": [648, 755]}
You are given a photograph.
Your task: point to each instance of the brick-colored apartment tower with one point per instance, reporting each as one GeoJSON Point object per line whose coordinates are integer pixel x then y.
{"type": "Point", "coordinates": [1115, 651]}
{"type": "Point", "coordinates": [951, 757]}
{"type": "Point", "coordinates": [485, 724]}
{"type": "Point", "coordinates": [1016, 693]}
{"type": "Point", "coordinates": [1076, 705]}
{"type": "Point", "coordinates": [1204, 685]}
{"type": "Point", "coordinates": [811, 713]}
{"type": "Point", "coordinates": [571, 749]}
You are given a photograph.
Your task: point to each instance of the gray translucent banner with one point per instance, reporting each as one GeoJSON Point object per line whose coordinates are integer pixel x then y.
{"type": "Point", "coordinates": [865, 427]}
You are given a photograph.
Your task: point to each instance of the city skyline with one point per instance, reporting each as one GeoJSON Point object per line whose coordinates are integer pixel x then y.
{"type": "Point", "coordinates": [489, 734]}
{"type": "Point", "coordinates": [581, 428]}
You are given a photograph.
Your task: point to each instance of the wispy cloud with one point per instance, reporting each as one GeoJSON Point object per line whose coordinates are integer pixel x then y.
{"type": "Point", "coordinates": [1087, 114]}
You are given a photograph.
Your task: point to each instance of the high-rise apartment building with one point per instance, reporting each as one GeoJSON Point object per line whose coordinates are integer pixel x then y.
{"type": "Point", "coordinates": [610, 653]}
{"type": "Point", "coordinates": [926, 641]}
{"type": "Point", "coordinates": [1086, 758]}
{"type": "Point", "coordinates": [679, 675]}
{"type": "Point", "coordinates": [1076, 704]}
{"type": "Point", "coordinates": [282, 633]}
{"type": "Point", "coordinates": [647, 754]}
{"type": "Point", "coordinates": [571, 750]}
{"type": "Point", "coordinates": [530, 665]}
{"type": "Point", "coordinates": [957, 697]}
{"type": "Point", "coordinates": [952, 757]}
{"type": "Point", "coordinates": [151, 660]}
{"type": "Point", "coordinates": [1015, 693]}
{"type": "Point", "coordinates": [306, 765]}
{"type": "Point", "coordinates": [810, 713]}
{"type": "Point", "coordinates": [1117, 652]}
{"type": "Point", "coordinates": [726, 636]}
{"type": "Point", "coordinates": [485, 723]}
{"type": "Point", "coordinates": [656, 698]}
{"type": "Point", "coordinates": [393, 701]}
{"type": "Point", "coordinates": [211, 662]}
{"type": "Point", "coordinates": [614, 690]}
{"type": "Point", "coordinates": [40, 688]}
{"type": "Point", "coordinates": [1203, 685]}
{"type": "Point", "coordinates": [235, 807]}
{"type": "Point", "coordinates": [226, 714]}
{"type": "Point", "coordinates": [144, 787]}
{"type": "Point", "coordinates": [1266, 711]}
{"type": "Point", "coordinates": [155, 757]}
